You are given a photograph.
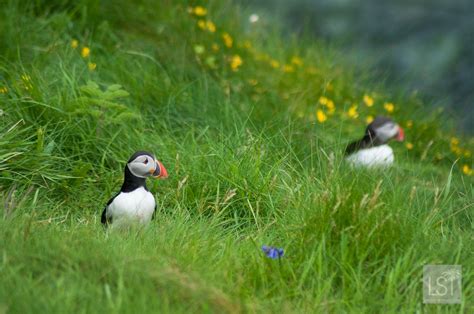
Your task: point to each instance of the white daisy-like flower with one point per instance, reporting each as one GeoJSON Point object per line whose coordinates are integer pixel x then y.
{"type": "Point", "coordinates": [254, 18]}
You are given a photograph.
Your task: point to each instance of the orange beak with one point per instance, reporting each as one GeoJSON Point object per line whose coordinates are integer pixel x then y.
{"type": "Point", "coordinates": [160, 171]}
{"type": "Point", "coordinates": [401, 135]}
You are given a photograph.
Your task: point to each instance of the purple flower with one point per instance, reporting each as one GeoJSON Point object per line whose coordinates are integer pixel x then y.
{"type": "Point", "coordinates": [272, 252]}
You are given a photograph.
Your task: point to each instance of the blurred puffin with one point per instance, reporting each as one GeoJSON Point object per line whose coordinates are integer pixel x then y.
{"type": "Point", "coordinates": [134, 202]}
{"type": "Point", "coordinates": [372, 150]}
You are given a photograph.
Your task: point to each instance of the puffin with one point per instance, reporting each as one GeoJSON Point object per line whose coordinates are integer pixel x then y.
{"type": "Point", "coordinates": [134, 203]}
{"type": "Point", "coordinates": [372, 149]}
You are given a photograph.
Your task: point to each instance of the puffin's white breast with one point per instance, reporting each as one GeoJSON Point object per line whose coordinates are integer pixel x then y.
{"type": "Point", "coordinates": [137, 205]}
{"type": "Point", "coordinates": [378, 156]}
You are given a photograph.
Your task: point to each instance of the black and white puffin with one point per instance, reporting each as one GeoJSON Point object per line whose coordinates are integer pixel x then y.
{"type": "Point", "coordinates": [372, 150]}
{"type": "Point", "coordinates": [134, 202]}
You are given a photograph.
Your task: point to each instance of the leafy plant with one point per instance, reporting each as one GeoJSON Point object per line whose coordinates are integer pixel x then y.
{"type": "Point", "coordinates": [104, 105]}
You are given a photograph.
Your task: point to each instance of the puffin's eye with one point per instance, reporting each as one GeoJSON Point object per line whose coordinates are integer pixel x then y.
{"type": "Point", "coordinates": [146, 161]}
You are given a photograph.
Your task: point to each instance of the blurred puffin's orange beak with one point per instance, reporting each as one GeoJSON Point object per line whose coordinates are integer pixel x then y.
{"type": "Point", "coordinates": [401, 134]}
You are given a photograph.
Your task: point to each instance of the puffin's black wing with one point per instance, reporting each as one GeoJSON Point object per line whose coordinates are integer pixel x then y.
{"type": "Point", "coordinates": [154, 212]}
{"type": "Point", "coordinates": [353, 147]}
{"type": "Point", "coordinates": [103, 219]}
{"type": "Point", "coordinates": [365, 142]}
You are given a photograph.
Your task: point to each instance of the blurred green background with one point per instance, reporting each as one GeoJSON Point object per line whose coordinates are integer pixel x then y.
{"type": "Point", "coordinates": [425, 45]}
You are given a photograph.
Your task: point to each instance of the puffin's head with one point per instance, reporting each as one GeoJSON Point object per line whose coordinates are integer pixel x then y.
{"type": "Point", "coordinates": [383, 129]}
{"type": "Point", "coordinates": [143, 164]}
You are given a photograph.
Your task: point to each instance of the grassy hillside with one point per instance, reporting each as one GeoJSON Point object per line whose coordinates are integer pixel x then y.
{"type": "Point", "coordinates": [251, 127]}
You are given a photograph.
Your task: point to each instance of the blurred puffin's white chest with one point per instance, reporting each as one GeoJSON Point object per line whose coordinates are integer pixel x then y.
{"type": "Point", "coordinates": [137, 205]}
{"type": "Point", "coordinates": [378, 156]}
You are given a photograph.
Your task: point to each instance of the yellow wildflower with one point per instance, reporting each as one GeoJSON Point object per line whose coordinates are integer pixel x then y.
{"type": "Point", "coordinates": [457, 150]}
{"type": "Point", "coordinates": [201, 24]}
{"type": "Point", "coordinates": [409, 146]}
{"type": "Point", "coordinates": [253, 82]}
{"type": "Point", "coordinates": [389, 106]}
{"type": "Point", "coordinates": [28, 86]}
{"type": "Point", "coordinates": [211, 26]}
{"type": "Point", "coordinates": [323, 100]}
{"type": "Point", "coordinates": [369, 119]}
{"type": "Point", "coordinates": [454, 141]}
{"type": "Point", "coordinates": [228, 41]}
{"type": "Point", "coordinates": [321, 116]}
{"type": "Point", "coordinates": [352, 113]}
{"type": "Point", "coordinates": [467, 170]}
{"type": "Point", "coordinates": [247, 44]}
{"type": "Point", "coordinates": [85, 52]}
{"type": "Point", "coordinates": [236, 62]}
{"type": "Point", "coordinates": [467, 153]}
{"type": "Point", "coordinates": [369, 101]}
{"type": "Point", "coordinates": [328, 103]}
{"type": "Point", "coordinates": [297, 61]}
{"type": "Point", "coordinates": [288, 68]}
{"type": "Point", "coordinates": [215, 47]}
{"type": "Point", "coordinates": [26, 81]}
{"type": "Point", "coordinates": [91, 66]}
{"type": "Point", "coordinates": [409, 123]}
{"type": "Point", "coordinates": [274, 64]}
{"type": "Point", "coordinates": [199, 11]}
{"type": "Point", "coordinates": [331, 107]}
{"type": "Point", "coordinates": [74, 43]}
{"type": "Point", "coordinates": [3, 90]}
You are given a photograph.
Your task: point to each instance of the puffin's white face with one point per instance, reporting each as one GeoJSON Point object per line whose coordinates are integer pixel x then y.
{"type": "Point", "coordinates": [146, 166]}
{"type": "Point", "coordinates": [388, 131]}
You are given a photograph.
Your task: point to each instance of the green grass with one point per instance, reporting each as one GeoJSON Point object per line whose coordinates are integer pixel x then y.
{"type": "Point", "coordinates": [249, 165]}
